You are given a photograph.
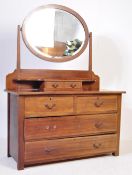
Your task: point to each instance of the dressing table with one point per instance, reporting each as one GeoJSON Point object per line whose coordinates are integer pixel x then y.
{"type": "Point", "coordinates": [58, 115]}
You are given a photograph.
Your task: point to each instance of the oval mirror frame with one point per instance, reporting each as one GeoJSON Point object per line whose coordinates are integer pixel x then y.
{"type": "Point", "coordinates": [63, 58]}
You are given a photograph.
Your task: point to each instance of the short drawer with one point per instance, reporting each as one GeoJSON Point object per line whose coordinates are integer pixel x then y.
{"type": "Point", "coordinates": [37, 106]}
{"type": "Point", "coordinates": [70, 148]}
{"type": "Point", "coordinates": [96, 104]}
{"type": "Point", "coordinates": [53, 85]}
{"type": "Point", "coordinates": [69, 126]}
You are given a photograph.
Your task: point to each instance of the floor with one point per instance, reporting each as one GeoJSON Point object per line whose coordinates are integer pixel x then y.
{"type": "Point", "coordinates": [105, 165]}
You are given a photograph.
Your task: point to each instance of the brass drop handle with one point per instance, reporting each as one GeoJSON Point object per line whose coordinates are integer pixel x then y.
{"type": "Point", "coordinates": [47, 127]}
{"type": "Point", "coordinates": [49, 150]}
{"type": "Point", "coordinates": [73, 85]}
{"type": "Point", "coordinates": [97, 145]}
{"type": "Point", "coordinates": [98, 124]}
{"type": "Point", "coordinates": [55, 85]}
{"type": "Point", "coordinates": [50, 106]}
{"type": "Point", "coordinates": [98, 103]}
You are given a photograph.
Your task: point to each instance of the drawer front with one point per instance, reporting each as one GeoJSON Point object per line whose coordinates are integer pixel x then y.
{"type": "Point", "coordinates": [48, 106]}
{"type": "Point", "coordinates": [70, 148]}
{"type": "Point", "coordinates": [54, 85]}
{"type": "Point", "coordinates": [65, 85]}
{"type": "Point", "coordinates": [73, 85]}
{"type": "Point", "coordinates": [96, 104]}
{"type": "Point", "coordinates": [69, 126]}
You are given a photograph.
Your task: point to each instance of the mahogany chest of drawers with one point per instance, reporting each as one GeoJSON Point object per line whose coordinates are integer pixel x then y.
{"type": "Point", "coordinates": [47, 127]}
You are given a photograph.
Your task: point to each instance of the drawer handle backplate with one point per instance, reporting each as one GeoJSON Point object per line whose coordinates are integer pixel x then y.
{"type": "Point", "coordinates": [50, 106]}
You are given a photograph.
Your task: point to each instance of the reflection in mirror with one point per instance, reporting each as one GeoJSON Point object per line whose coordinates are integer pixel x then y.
{"type": "Point", "coordinates": [53, 33]}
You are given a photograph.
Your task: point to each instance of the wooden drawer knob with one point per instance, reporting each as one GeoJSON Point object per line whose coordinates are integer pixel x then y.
{"type": "Point", "coordinates": [97, 145]}
{"type": "Point", "coordinates": [55, 85]}
{"type": "Point", "coordinates": [50, 127]}
{"type": "Point", "coordinates": [73, 85]}
{"type": "Point", "coordinates": [98, 124]}
{"type": "Point", "coordinates": [54, 126]}
{"type": "Point", "coordinates": [50, 106]}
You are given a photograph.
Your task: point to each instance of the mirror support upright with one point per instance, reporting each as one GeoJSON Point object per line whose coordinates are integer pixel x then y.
{"type": "Point", "coordinates": [18, 66]}
{"type": "Point", "coordinates": [90, 52]}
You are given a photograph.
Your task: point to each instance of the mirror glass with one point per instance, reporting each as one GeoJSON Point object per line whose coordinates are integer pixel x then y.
{"type": "Point", "coordinates": [54, 34]}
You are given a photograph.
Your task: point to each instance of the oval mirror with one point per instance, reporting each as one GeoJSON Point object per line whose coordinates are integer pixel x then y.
{"type": "Point", "coordinates": [55, 33]}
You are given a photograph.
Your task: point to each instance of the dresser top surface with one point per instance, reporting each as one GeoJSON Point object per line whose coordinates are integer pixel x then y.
{"type": "Point", "coordinates": [66, 92]}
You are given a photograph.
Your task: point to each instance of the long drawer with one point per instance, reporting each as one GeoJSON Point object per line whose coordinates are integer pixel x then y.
{"type": "Point", "coordinates": [69, 126]}
{"type": "Point", "coordinates": [96, 104]}
{"type": "Point", "coordinates": [70, 148]}
{"type": "Point", "coordinates": [48, 106]}
{"type": "Point", "coordinates": [65, 85]}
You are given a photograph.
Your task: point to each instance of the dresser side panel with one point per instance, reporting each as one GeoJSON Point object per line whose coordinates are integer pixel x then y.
{"type": "Point", "coordinates": [119, 98]}
{"type": "Point", "coordinates": [13, 127]}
